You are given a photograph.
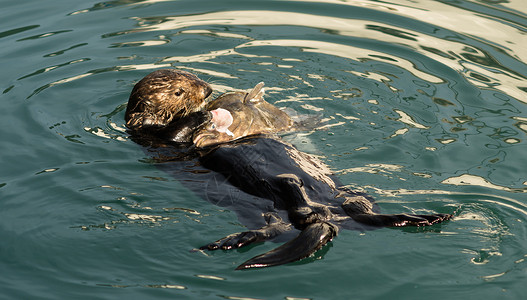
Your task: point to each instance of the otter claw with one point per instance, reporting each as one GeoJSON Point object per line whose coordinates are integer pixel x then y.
{"type": "Point", "coordinates": [233, 241]}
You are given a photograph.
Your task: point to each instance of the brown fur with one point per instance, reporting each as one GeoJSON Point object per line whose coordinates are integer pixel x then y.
{"type": "Point", "coordinates": [164, 95]}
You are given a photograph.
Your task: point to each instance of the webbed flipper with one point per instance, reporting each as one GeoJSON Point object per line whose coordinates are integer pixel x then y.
{"type": "Point", "coordinates": [311, 239]}
{"type": "Point", "coordinates": [400, 220]}
{"type": "Point", "coordinates": [274, 228]}
{"type": "Point", "coordinates": [360, 209]}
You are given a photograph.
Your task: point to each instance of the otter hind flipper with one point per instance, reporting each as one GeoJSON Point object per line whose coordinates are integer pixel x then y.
{"type": "Point", "coordinates": [360, 209]}
{"type": "Point", "coordinates": [310, 240]}
{"type": "Point", "coordinates": [400, 220]}
{"type": "Point", "coordinates": [256, 94]}
{"type": "Point", "coordinates": [275, 226]}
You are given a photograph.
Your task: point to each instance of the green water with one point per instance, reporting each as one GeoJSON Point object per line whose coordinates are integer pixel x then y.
{"type": "Point", "coordinates": [422, 104]}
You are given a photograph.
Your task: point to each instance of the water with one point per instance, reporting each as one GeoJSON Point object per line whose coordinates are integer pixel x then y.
{"type": "Point", "coordinates": [421, 104]}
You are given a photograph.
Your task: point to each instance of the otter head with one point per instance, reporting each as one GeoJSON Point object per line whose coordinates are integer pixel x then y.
{"type": "Point", "coordinates": [163, 96]}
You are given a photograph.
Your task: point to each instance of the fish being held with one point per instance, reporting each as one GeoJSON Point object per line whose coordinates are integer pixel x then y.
{"type": "Point", "coordinates": [245, 113]}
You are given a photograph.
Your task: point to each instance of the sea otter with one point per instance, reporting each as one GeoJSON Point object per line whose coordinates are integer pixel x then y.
{"type": "Point", "coordinates": [278, 190]}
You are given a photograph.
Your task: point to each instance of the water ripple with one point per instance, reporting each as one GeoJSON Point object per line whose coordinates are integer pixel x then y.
{"type": "Point", "coordinates": [420, 103]}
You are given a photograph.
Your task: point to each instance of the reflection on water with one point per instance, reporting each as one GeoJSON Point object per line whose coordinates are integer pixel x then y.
{"type": "Point", "coordinates": [420, 103]}
{"type": "Point", "coordinates": [441, 29]}
{"type": "Point", "coordinates": [465, 54]}
{"type": "Point", "coordinates": [467, 179]}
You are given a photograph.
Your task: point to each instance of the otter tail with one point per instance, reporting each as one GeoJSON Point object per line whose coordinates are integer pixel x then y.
{"type": "Point", "coordinates": [310, 240]}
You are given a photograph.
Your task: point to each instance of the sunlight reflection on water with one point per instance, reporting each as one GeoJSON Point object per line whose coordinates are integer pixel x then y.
{"type": "Point", "coordinates": [419, 103]}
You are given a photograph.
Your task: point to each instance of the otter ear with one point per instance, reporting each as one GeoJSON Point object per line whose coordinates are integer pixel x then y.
{"type": "Point", "coordinates": [256, 94]}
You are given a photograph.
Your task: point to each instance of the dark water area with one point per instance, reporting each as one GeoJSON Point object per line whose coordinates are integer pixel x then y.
{"type": "Point", "coordinates": [421, 104]}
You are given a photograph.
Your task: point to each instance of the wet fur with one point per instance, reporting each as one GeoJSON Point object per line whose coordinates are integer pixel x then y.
{"type": "Point", "coordinates": [163, 96]}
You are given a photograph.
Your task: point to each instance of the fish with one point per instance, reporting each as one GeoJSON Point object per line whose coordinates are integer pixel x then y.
{"type": "Point", "coordinates": [247, 114]}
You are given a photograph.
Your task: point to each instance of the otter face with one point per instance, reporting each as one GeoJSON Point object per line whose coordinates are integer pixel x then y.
{"type": "Point", "coordinates": [165, 95]}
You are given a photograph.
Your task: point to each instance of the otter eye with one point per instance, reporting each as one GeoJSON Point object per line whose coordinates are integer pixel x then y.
{"type": "Point", "coordinates": [179, 92]}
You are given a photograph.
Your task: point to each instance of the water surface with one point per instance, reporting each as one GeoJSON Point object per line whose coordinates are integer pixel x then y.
{"type": "Point", "coordinates": [420, 103]}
